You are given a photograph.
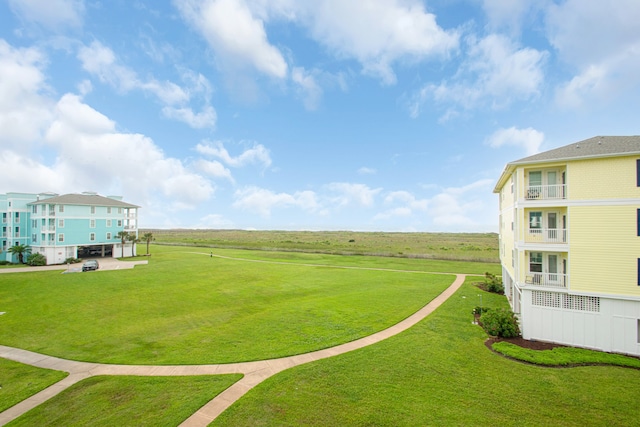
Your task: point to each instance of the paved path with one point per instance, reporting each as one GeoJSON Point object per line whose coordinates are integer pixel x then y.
{"type": "Point", "coordinates": [105, 264]}
{"type": "Point", "coordinates": [254, 372]}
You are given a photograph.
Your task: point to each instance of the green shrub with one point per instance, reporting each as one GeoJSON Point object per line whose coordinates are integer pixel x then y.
{"type": "Point", "coordinates": [500, 323]}
{"type": "Point", "coordinates": [5, 262]}
{"type": "Point", "coordinates": [36, 259]}
{"type": "Point", "coordinates": [479, 310]}
{"type": "Point", "coordinates": [493, 283]}
{"type": "Point", "coordinates": [72, 260]}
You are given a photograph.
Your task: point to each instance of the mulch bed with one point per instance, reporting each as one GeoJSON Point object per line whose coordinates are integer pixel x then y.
{"type": "Point", "coordinates": [521, 342]}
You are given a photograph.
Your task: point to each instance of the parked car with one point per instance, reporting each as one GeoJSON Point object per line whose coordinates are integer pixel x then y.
{"type": "Point", "coordinates": [92, 264]}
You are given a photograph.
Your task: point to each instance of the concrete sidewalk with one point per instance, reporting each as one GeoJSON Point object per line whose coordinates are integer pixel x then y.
{"type": "Point", "coordinates": [254, 372]}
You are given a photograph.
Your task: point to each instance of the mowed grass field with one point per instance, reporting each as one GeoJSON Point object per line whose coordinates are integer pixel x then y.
{"type": "Point", "coordinates": [481, 247]}
{"type": "Point", "coordinates": [440, 372]}
{"type": "Point", "coordinates": [186, 307]}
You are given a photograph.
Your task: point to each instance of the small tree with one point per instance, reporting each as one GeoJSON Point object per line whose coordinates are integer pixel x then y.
{"type": "Point", "coordinates": [123, 236]}
{"type": "Point", "coordinates": [20, 250]}
{"type": "Point", "coordinates": [148, 238]}
{"type": "Point", "coordinates": [133, 239]}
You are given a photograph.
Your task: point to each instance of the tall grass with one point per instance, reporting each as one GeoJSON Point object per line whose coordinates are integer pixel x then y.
{"type": "Point", "coordinates": [481, 247]}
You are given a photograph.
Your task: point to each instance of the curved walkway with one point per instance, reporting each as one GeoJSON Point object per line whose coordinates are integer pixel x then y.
{"type": "Point", "coordinates": [254, 372]}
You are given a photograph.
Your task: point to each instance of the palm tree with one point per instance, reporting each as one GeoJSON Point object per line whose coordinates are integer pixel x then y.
{"type": "Point", "coordinates": [20, 250]}
{"type": "Point", "coordinates": [148, 237]}
{"type": "Point", "coordinates": [133, 239]}
{"type": "Point", "coordinates": [123, 236]}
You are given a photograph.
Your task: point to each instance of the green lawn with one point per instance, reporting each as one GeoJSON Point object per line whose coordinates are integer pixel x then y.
{"type": "Point", "coordinates": [187, 308]}
{"type": "Point", "coordinates": [127, 401]}
{"type": "Point", "coordinates": [565, 356]}
{"type": "Point", "coordinates": [439, 373]}
{"type": "Point", "coordinates": [18, 381]}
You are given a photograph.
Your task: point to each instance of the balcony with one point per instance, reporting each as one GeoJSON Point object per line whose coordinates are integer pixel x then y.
{"type": "Point", "coordinates": [549, 280]}
{"type": "Point", "coordinates": [545, 235]}
{"type": "Point", "coordinates": [546, 192]}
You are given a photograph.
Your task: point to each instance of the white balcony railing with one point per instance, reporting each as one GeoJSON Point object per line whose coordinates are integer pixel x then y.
{"type": "Point", "coordinates": [545, 235]}
{"type": "Point", "coordinates": [546, 192]}
{"type": "Point", "coordinates": [551, 280]}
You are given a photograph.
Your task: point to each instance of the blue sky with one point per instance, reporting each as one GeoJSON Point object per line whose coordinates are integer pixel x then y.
{"type": "Point", "coordinates": [391, 115]}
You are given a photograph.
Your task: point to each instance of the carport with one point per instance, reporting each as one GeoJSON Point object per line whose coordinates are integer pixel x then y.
{"type": "Point", "coordinates": [95, 251]}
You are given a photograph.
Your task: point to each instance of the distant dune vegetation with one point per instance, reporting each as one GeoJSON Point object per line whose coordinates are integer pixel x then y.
{"type": "Point", "coordinates": [449, 246]}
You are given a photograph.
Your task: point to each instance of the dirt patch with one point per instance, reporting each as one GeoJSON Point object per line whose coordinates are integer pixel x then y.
{"type": "Point", "coordinates": [521, 342]}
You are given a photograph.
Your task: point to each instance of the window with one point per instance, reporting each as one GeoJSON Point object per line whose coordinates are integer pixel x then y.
{"type": "Point", "coordinates": [535, 262]}
{"type": "Point", "coordinates": [34, 223]}
{"type": "Point", "coordinates": [535, 222]}
{"type": "Point", "coordinates": [61, 223]}
{"type": "Point", "coordinates": [60, 237]}
{"type": "Point", "coordinates": [92, 223]}
{"type": "Point", "coordinates": [17, 216]}
{"type": "Point", "coordinates": [535, 185]}
{"type": "Point", "coordinates": [92, 236]}
{"type": "Point", "coordinates": [61, 208]}
{"type": "Point", "coordinates": [119, 223]}
{"type": "Point", "coordinates": [4, 217]}
{"type": "Point", "coordinates": [638, 220]}
{"type": "Point", "coordinates": [108, 236]}
{"type": "Point", "coordinates": [637, 175]}
{"type": "Point", "coordinates": [34, 238]}
{"type": "Point", "coordinates": [108, 210]}
{"type": "Point", "coordinates": [17, 232]}
{"type": "Point", "coordinates": [108, 223]}
{"type": "Point", "coordinates": [93, 209]}
{"type": "Point", "coordinates": [34, 209]}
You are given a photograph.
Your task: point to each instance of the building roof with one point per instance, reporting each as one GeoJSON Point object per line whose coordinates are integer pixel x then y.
{"type": "Point", "coordinates": [598, 146]}
{"type": "Point", "coordinates": [84, 200]}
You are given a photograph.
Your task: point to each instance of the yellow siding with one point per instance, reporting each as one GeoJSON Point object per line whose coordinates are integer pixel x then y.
{"type": "Point", "coordinates": [507, 242]}
{"type": "Point", "coordinates": [603, 178]}
{"type": "Point", "coordinates": [507, 239]}
{"type": "Point", "coordinates": [604, 249]}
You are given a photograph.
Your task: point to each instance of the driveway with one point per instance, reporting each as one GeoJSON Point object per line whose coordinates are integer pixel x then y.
{"type": "Point", "coordinates": [105, 264]}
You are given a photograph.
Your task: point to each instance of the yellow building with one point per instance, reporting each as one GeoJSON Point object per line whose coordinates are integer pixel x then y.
{"type": "Point", "coordinates": [570, 243]}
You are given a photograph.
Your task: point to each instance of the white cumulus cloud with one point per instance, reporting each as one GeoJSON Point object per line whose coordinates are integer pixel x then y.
{"type": "Point", "coordinates": [529, 139]}
{"type": "Point", "coordinates": [52, 14]}
{"type": "Point", "coordinates": [257, 154]}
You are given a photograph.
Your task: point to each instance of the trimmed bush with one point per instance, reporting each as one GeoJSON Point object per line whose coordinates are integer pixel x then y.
{"type": "Point", "coordinates": [500, 323]}
{"type": "Point", "coordinates": [493, 284]}
{"type": "Point", "coordinates": [72, 260]}
{"type": "Point", "coordinates": [36, 260]}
